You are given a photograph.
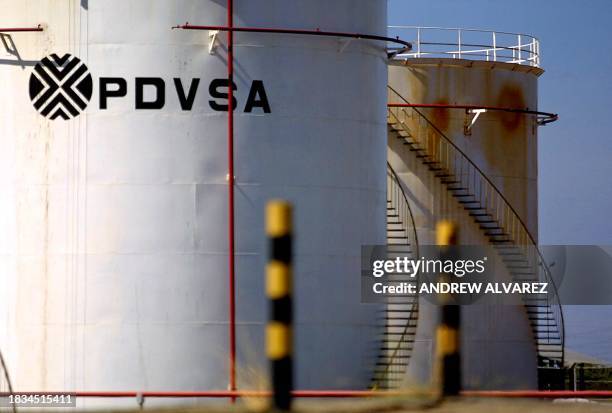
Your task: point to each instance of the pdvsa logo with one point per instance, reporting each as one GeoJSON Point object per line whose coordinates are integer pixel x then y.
{"type": "Point", "coordinates": [61, 87]}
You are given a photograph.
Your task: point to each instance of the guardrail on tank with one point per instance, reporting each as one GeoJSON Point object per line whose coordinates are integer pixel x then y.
{"type": "Point", "coordinates": [455, 165]}
{"type": "Point", "coordinates": [473, 44]}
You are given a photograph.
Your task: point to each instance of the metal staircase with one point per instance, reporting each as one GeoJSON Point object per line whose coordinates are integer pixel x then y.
{"type": "Point", "coordinates": [401, 314]}
{"type": "Point", "coordinates": [6, 387]}
{"type": "Point", "coordinates": [494, 215]}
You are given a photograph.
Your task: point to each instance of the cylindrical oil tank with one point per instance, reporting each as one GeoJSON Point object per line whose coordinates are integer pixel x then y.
{"type": "Point", "coordinates": [497, 342]}
{"type": "Point", "coordinates": [502, 144]}
{"type": "Point", "coordinates": [114, 248]}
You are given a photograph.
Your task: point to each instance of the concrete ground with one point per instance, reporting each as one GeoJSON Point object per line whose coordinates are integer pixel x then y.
{"type": "Point", "coordinates": [463, 405]}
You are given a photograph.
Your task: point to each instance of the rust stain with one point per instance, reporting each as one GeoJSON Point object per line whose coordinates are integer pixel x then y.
{"type": "Point", "coordinates": [511, 96]}
{"type": "Point", "coordinates": [441, 116]}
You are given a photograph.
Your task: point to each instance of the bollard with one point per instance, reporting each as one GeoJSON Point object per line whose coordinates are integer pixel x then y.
{"type": "Point", "coordinates": [447, 335]}
{"type": "Point", "coordinates": [278, 289]}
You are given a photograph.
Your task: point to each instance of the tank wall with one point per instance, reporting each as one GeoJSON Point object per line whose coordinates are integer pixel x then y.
{"type": "Point", "coordinates": [497, 341]}
{"type": "Point", "coordinates": [503, 145]}
{"type": "Point", "coordinates": [116, 247]}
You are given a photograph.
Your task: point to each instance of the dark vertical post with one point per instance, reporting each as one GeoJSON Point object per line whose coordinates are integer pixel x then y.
{"type": "Point", "coordinates": [581, 381]}
{"type": "Point", "coordinates": [230, 182]}
{"type": "Point", "coordinates": [279, 335]}
{"type": "Point", "coordinates": [447, 335]}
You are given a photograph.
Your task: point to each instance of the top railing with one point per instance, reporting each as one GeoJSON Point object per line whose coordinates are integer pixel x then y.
{"type": "Point", "coordinates": [472, 44]}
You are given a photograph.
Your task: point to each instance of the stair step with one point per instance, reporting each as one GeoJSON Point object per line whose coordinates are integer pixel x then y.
{"type": "Point", "coordinates": [518, 267]}
{"type": "Point", "coordinates": [500, 237]}
{"type": "Point", "coordinates": [451, 185]}
{"type": "Point", "coordinates": [393, 358]}
{"type": "Point", "coordinates": [495, 231]}
{"type": "Point", "coordinates": [400, 364]}
{"type": "Point", "coordinates": [397, 328]}
{"type": "Point", "coordinates": [403, 324]}
{"type": "Point", "coordinates": [540, 317]}
{"type": "Point", "coordinates": [399, 318]}
{"type": "Point", "coordinates": [509, 259]}
{"type": "Point", "coordinates": [486, 221]}
{"type": "Point", "coordinates": [479, 214]}
{"type": "Point", "coordinates": [389, 378]}
{"type": "Point", "coordinates": [542, 335]}
{"type": "Point", "coordinates": [408, 346]}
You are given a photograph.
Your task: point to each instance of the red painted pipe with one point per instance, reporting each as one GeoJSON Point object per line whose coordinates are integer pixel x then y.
{"type": "Point", "coordinates": [231, 229]}
{"type": "Point", "coordinates": [230, 29]}
{"type": "Point", "coordinates": [21, 29]}
{"type": "Point", "coordinates": [212, 394]}
{"type": "Point", "coordinates": [406, 46]}
{"type": "Point", "coordinates": [530, 394]}
{"type": "Point", "coordinates": [551, 117]}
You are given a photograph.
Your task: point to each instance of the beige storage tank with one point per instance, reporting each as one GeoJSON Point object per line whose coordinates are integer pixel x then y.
{"type": "Point", "coordinates": [481, 102]}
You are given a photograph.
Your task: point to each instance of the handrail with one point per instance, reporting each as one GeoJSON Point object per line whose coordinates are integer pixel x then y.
{"type": "Point", "coordinates": [542, 117]}
{"type": "Point", "coordinates": [38, 28]}
{"type": "Point", "coordinates": [412, 221]}
{"type": "Point", "coordinates": [487, 45]}
{"type": "Point", "coordinates": [397, 188]}
{"type": "Point", "coordinates": [493, 202]}
{"type": "Point", "coordinates": [404, 45]}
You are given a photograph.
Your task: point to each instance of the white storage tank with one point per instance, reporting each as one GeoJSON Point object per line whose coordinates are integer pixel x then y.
{"type": "Point", "coordinates": [448, 72]}
{"type": "Point", "coordinates": [114, 249]}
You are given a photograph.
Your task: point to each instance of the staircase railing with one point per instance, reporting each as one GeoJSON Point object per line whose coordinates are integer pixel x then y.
{"type": "Point", "coordinates": [397, 198]}
{"type": "Point", "coordinates": [458, 169]}
{"type": "Point", "coordinates": [5, 382]}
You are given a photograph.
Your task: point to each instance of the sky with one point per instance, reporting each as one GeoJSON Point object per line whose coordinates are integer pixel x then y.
{"type": "Point", "coordinates": [575, 153]}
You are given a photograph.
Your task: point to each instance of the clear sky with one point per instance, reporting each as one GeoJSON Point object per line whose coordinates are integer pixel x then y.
{"type": "Point", "coordinates": [575, 153]}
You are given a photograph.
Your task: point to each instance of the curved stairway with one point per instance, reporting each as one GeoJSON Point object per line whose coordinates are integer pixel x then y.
{"type": "Point", "coordinates": [5, 382]}
{"type": "Point", "coordinates": [494, 215]}
{"type": "Point", "coordinates": [401, 314]}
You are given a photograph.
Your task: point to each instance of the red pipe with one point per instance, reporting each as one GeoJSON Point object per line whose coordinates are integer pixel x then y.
{"type": "Point", "coordinates": [21, 29]}
{"type": "Point", "coordinates": [230, 161]}
{"type": "Point", "coordinates": [230, 29]}
{"type": "Point", "coordinates": [213, 393]}
{"type": "Point", "coordinates": [532, 394]}
{"type": "Point", "coordinates": [406, 46]}
{"type": "Point", "coordinates": [551, 116]}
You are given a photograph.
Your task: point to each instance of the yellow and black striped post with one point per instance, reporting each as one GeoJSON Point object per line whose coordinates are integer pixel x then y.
{"type": "Point", "coordinates": [447, 335]}
{"type": "Point", "coordinates": [278, 289]}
